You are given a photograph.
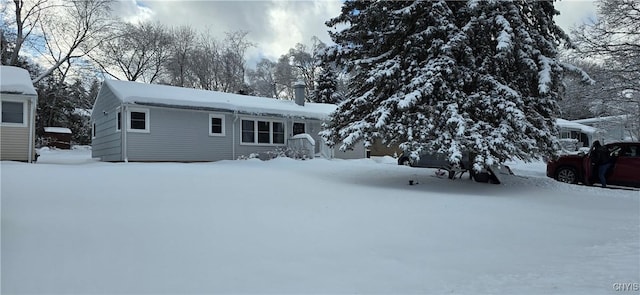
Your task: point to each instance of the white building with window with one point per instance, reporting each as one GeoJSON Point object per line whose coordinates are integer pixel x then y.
{"type": "Point", "coordinates": [575, 136]}
{"type": "Point", "coordinates": [18, 111]}
{"type": "Point", "coordinates": [148, 122]}
{"type": "Point", "coordinates": [616, 128]}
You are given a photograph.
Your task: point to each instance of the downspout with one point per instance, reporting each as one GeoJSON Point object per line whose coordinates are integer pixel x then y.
{"type": "Point", "coordinates": [123, 129]}
{"type": "Point", "coordinates": [32, 128]}
{"type": "Point", "coordinates": [233, 136]}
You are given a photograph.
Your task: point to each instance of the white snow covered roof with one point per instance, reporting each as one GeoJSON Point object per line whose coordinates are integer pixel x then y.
{"type": "Point", "coordinates": [82, 112]}
{"type": "Point", "coordinates": [150, 94]}
{"type": "Point", "coordinates": [562, 123]}
{"type": "Point", "coordinates": [57, 130]}
{"type": "Point", "coordinates": [603, 119]}
{"type": "Point", "coordinates": [15, 80]}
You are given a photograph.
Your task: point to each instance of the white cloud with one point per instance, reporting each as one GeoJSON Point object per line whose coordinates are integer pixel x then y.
{"type": "Point", "coordinates": [132, 11]}
{"type": "Point", "coordinates": [575, 12]}
{"type": "Point", "coordinates": [276, 25]}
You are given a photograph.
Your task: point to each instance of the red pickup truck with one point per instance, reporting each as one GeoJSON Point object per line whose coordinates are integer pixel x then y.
{"type": "Point", "coordinates": [577, 168]}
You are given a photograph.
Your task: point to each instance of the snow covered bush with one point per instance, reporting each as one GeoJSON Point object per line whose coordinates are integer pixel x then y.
{"type": "Point", "coordinates": [449, 77]}
{"type": "Point", "coordinates": [287, 152]}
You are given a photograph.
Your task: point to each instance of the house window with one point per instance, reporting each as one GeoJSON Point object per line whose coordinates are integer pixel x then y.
{"type": "Point", "coordinates": [278, 132]}
{"type": "Point", "coordinates": [248, 134]}
{"type": "Point", "coordinates": [138, 120]}
{"type": "Point", "coordinates": [93, 130]}
{"type": "Point", "coordinates": [262, 132]}
{"type": "Point", "coordinates": [119, 121]}
{"type": "Point", "coordinates": [298, 128]}
{"type": "Point", "coordinates": [216, 125]}
{"type": "Point", "coordinates": [13, 112]}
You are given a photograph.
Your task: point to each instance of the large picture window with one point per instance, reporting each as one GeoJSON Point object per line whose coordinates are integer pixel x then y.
{"type": "Point", "coordinates": [13, 112]}
{"type": "Point", "coordinates": [138, 120]}
{"type": "Point", "coordinates": [216, 125]}
{"type": "Point", "coordinates": [262, 132]}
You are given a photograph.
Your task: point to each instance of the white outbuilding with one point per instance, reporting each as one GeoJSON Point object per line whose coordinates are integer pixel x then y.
{"type": "Point", "coordinates": [18, 100]}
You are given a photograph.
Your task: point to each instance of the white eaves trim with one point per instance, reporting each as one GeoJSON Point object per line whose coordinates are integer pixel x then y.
{"type": "Point", "coordinates": [141, 93]}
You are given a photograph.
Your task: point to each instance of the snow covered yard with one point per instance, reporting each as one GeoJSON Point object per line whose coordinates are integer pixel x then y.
{"type": "Point", "coordinates": [74, 225]}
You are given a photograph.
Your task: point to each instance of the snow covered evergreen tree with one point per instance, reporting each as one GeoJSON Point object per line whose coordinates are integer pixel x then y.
{"type": "Point", "coordinates": [325, 91]}
{"type": "Point", "coordinates": [449, 76]}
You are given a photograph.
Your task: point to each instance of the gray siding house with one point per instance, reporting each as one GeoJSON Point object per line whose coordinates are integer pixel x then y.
{"type": "Point", "coordinates": [18, 112]}
{"type": "Point", "coordinates": [147, 122]}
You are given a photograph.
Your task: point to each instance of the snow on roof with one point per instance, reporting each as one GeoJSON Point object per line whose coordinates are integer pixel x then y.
{"type": "Point", "coordinates": [57, 130]}
{"type": "Point", "coordinates": [15, 80]}
{"type": "Point", "coordinates": [82, 112]}
{"type": "Point", "coordinates": [140, 93]}
{"type": "Point", "coordinates": [562, 123]}
{"type": "Point", "coordinates": [603, 119]}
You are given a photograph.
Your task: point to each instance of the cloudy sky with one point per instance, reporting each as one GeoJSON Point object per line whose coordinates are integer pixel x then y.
{"type": "Point", "coordinates": [276, 26]}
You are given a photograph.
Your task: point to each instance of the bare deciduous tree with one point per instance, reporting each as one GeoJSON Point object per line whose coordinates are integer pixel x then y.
{"type": "Point", "coordinates": [582, 100]}
{"type": "Point", "coordinates": [614, 40]}
{"type": "Point", "coordinates": [205, 63]}
{"type": "Point", "coordinates": [306, 63]}
{"type": "Point", "coordinates": [27, 18]}
{"type": "Point", "coordinates": [233, 62]}
{"type": "Point", "coordinates": [182, 49]}
{"type": "Point", "coordinates": [263, 78]}
{"type": "Point", "coordinates": [139, 52]}
{"type": "Point", "coordinates": [72, 30]}
{"type": "Point", "coordinates": [285, 77]}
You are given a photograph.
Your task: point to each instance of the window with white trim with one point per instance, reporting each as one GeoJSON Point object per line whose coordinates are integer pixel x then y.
{"type": "Point", "coordinates": [14, 113]}
{"type": "Point", "coordinates": [216, 125]}
{"type": "Point", "coordinates": [93, 130]}
{"type": "Point", "coordinates": [262, 132]}
{"type": "Point", "coordinates": [138, 120]}
{"type": "Point", "coordinates": [278, 132]}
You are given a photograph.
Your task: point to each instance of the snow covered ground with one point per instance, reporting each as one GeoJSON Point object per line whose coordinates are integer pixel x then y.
{"type": "Point", "coordinates": [72, 225]}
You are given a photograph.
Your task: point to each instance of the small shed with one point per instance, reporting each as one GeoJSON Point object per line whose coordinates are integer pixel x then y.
{"type": "Point", "coordinates": [18, 100]}
{"type": "Point", "coordinates": [58, 137]}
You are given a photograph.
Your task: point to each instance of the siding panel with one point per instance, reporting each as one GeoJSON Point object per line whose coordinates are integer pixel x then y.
{"type": "Point", "coordinates": [107, 145]}
{"type": "Point", "coordinates": [181, 136]}
{"type": "Point", "coordinates": [14, 141]}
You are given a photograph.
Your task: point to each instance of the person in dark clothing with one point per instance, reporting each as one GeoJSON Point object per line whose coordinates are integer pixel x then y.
{"type": "Point", "coordinates": [601, 161]}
